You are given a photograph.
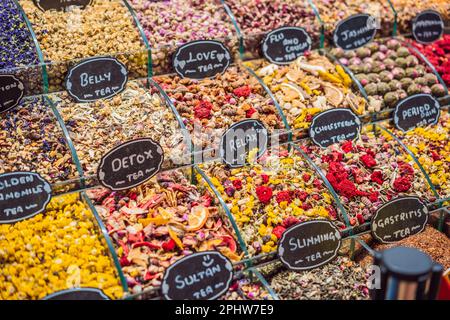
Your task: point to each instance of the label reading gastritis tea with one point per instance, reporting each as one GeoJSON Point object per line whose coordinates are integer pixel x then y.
{"type": "Point", "coordinates": [11, 92]}
{"type": "Point", "coordinates": [78, 294]}
{"type": "Point", "coordinates": [130, 164]}
{"type": "Point", "coordinates": [399, 219]}
{"type": "Point", "coordinates": [201, 59]}
{"type": "Point", "coordinates": [309, 244]}
{"type": "Point", "coordinates": [96, 78]}
{"type": "Point", "coordinates": [241, 138]}
{"type": "Point", "coordinates": [286, 44]}
{"type": "Point", "coordinates": [355, 31]}
{"type": "Point", "coordinates": [415, 111]}
{"type": "Point", "coordinates": [201, 276]}
{"type": "Point", "coordinates": [22, 196]}
{"type": "Point", "coordinates": [334, 125]}
{"type": "Point", "coordinates": [427, 26]}
{"type": "Point", "coordinates": [61, 5]}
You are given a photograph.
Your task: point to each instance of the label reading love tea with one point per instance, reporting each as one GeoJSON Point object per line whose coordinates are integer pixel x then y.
{"type": "Point", "coordinates": [427, 26]}
{"type": "Point", "coordinates": [60, 5]}
{"type": "Point", "coordinates": [398, 219]}
{"type": "Point", "coordinates": [241, 138]}
{"type": "Point", "coordinates": [200, 276]}
{"type": "Point", "coordinates": [201, 59]}
{"type": "Point", "coordinates": [11, 92]}
{"type": "Point", "coordinates": [415, 111]}
{"type": "Point", "coordinates": [22, 196]}
{"type": "Point", "coordinates": [309, 244]}
{"type": "Point", "coordinates": [355, 31]}
{"type": "Point", "coordinates": [284, 45]}
{"type": "Point", "coordinates": [96, 78]}
{"type": "Point", "coordinates": [334, 125]}
{"type": "Point", "coordinates": [78, 294]}
{"type": "Point", "coordinates": [130, 164]}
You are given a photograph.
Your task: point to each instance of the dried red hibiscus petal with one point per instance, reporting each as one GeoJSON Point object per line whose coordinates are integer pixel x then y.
{"type": "Point", "coordinates": [243, 91]}
{"type": "Point", "coordinates": [237, 184]}
{"type": "Point", "coordinates": [377, 177]}
{"type": "Point", "coordinates": [169, 245]}
{"type": "Point", "coordinates": [202, 110]}
{"type": "Point", "coordinates": [290, 221]}
{"type": "Point", "coordinates": [402, 184]}
{"type": "Point", "coordinates": [347, 146]}
{"type": "Point", "coordinates": [250, 112]}
{"type": "Point", "coordinates": [373, 197]}
{"type": "Point", "coordinates": [283, 196]}
{"type": "Point", "coordinates": [265, 178]}
{"type": "Point", "coordinates": [278, 231]}
{"type": "Point", "coordinates": [306, 177]}
{"type": "Point", "coordinates": [264, 194]}
{"type": "Point", "coordinates": [368, 160]}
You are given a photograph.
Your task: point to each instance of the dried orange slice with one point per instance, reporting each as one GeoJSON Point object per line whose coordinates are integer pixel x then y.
{"type": "Point", "coordinates": [291, 92]}
{"type": "Point", "coordinates": [356, 104]}
{"type": "Point", "coordinates": [334, 95]}
{"type": "Point", "coordinates": [197, 218]}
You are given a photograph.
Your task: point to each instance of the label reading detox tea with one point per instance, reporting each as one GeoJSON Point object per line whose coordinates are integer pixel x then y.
{"type": "Point", "coordinates": [309, 244]}
{"type": "Point", "coordinates": [399, 219]}
{"type": "Point", "coordinates": [96, 78]}
{"type": "Point", "coordinates": [415, 111]}
{"type": "Point", "coordinates": [199, 276]}
{"type": "Point", "coordinates": [355, 31]}
{"type": "Point", "coordinates": [427, 26]}
{"type": "Point", "coordinates": [130, 164]}
{"type": "Point", "coordinates": [286, 44]}
{"type": "Point", "coordinates": [11, 92]}
{"type": "Point", "coordinates": [22, 196]}
{"type": "Point", "coordinates": [60, 5]}
{"type": "Point", "coordinates": [201, 59]}
{"type": "Point", "coordinates": [334, 125]}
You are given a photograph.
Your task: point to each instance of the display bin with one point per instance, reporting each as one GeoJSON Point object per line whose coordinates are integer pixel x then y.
{"type": "Point", "coordinates": [311, 84]}
{"type": "Point", "coordinates": [65, 38]}
{"type": "Point", "coordinates": [140, 111]}
{"type": "Point", "coordinates": [62, 248]}
{"type": "Point", "coordinates": [208, 107]}
{"type": "Point", "coordinates": [157, 223]}
{"type": "Point", "coordinates": [331, 12]}
{"type": "Point", "coordinates": [32, 139]}
{"type": "Point", "coordinates": [389, 70]}
{"type": "Point", "coordinates": [170, 24]}
{"type": "Point", "coordinates": [254, 19]}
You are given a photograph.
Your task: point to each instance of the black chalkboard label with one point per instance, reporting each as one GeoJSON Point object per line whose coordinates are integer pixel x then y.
{"type": "Point", "coordinates": [241, 138]}
{"type": "Point", "coordinates": [96, 78]}
{"type": "Point", "coordinates": [309, 244]}
{"type": "Point", "coordinates": [201, 59]}
{"type": "Point", "coordinates": [417, 110]}
{"type": "Point", "coordinates": [78, 294]}
{"type": "Point", "coordinates": [355, 31]}
{"type": "Point", "coordinates": [11, 92]}
{"type": "Point", "coordinates": [286, 44]}
{"type": "Point", "coordinates": [427, 26]}
{"type": "Point", "coordinates": [60, 5]}
{"type": "Point", "coordinates": [399, 219]}
{"type": "Point", "coordinates": [200, 276]}
{"type": "Point", "coordinates": [130, 164]}
{"type": "Point", "coordinates": [334, 125]}
{"type": "Point", "coordinates": [22, 196]}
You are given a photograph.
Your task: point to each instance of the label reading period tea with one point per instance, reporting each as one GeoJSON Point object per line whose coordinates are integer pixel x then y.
{"type": "Point", "coordinates": [416, 111]}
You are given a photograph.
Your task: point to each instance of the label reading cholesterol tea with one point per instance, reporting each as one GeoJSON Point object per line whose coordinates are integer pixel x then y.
{"type": "Point", "coordinates": [286, 44]}
{"type": "Point", "coordinates": [11, 92]}
{"type": "Point", "coordinates": [427, 26]}
{"type": "Point", "coordinates": [416, 111]}
{"type": "Point", "coordinates": [355, 31]}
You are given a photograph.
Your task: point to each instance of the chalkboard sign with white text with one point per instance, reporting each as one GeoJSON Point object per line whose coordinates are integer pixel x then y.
{"type": "Point", "coordinates": [22, 196]}
{"type": "Point", "coordinates": [11, 92]}
{"type": "Point", "coordinates": [130, 164]}
{"type": "Point", "coordinates": [415, 111]}
{"type": "Point", "coordinates": [96, 78]}
{"type": "Point", "coordinates": [60, 5]}
{"type": "Point", "coordinates": [200, 276]}
{"type": "Point", "coordinates": [334, 125]}
{"type": "Point", "coordinates": [398, 219]}
{"type": "Point", "coordinates": [286, 44]}
{"type": "Point", "coordinates": [355, 31]}
{"type": "Point", "coordinates": [78, 294]}
{"type": "Point", "coordinates": [309, 244]}
{"type": "Point", "coordinates": [201, 59]}
{"type": "Point", "coordinates": [427, 26]}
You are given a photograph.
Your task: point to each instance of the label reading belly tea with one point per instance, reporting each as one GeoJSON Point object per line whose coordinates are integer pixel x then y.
{"type": "Point", "coordinates": [334, 125]}
{"type": "Point", "coordinates": [200, 276]}
{"type": "Point", "coordinates": [130, 164]}
{"type": "Point", "coordinates": [419, 110]}
{"type": "Point", "coordinates": [286, 44]}
{"type": "Point", "coordinates": [201, 59]}
{"type": "Point", "coordinates": [96, 78]}
{"type": "Point", "coordinates": [242, 138]}
{"type": "Point", "coordinates": [427, 26]}
{"type": "Point", "coordinates": [60, 5]}
{"type": "Point", "coordinates": [309, 244]}
{"type": "Point", "coordinates": [78, 294]}
{"type": "Point", "coordinates": [399, 219]}
{"type": "Point", "coordinates": [11, 92]}
{"type": "Point", "coordinates": [355, 31]}
{"type": "Point", "coordinates": [22, 196]}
